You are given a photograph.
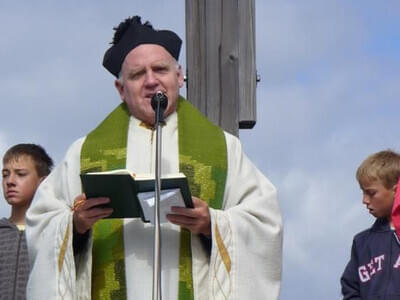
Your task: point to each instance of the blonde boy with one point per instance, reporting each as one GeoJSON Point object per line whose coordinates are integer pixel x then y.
{"type": "Point", "coordinates": [24, 167]}
{"type": "Point", "coordinates": [373, 271]}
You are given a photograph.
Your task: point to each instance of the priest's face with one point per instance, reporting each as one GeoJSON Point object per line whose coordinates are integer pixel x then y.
{"type": "Point", "coordinates": [147, 69]}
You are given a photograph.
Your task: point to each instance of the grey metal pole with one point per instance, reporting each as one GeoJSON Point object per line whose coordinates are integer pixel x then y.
{"type": "Point", "coordinates": [157, 230]}
{"type": "Point", "coordinates": [159, 103]}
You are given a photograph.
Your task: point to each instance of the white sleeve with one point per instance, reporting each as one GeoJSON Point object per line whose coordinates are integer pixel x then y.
{"type": "Point", "coordinates": [246, 256]}
{"type": "Point", "coordinates": [49, 233]}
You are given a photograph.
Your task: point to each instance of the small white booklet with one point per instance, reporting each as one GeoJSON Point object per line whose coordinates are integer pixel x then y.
{"type": "Point", "coordinates": [168, 198]}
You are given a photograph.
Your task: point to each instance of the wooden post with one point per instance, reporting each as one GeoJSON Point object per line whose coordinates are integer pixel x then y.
{"type": "Point", "coordinates": [220, 58]}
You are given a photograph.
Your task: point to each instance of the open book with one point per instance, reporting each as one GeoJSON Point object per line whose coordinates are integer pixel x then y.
{"type": "Point", "coordinates": [133, 196]}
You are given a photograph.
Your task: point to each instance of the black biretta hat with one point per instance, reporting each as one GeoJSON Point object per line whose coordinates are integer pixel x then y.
{"type": "Point", "coordinates": [132, 33]}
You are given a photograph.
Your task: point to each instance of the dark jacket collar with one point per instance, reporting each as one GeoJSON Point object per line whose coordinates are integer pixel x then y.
{"type": "Point", "coordinates": [381, 225]}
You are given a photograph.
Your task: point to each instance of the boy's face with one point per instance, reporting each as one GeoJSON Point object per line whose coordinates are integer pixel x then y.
{"type": "Point", "coordinates": [20, 181]}
{"type": "Point", "coordinates": [378, 199]}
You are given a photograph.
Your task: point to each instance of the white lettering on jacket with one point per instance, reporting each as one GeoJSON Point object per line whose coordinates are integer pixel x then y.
{"type": "Point", "coordinates": [397, 263]}
{"type": "Point", "coordinates": [370, 269]}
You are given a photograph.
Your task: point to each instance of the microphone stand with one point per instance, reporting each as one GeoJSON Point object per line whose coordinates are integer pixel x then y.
{"type": "Point", "coordinates": [159, 102]}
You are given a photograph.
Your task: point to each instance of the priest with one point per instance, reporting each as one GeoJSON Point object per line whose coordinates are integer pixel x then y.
{"type": "Point", "coordinates": [229, 246]}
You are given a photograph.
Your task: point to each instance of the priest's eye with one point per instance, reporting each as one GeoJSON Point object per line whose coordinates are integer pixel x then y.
{"type": "Point", "coordinates": [161, 69]}
{"type": "Point", "coordinates": [135, 75]}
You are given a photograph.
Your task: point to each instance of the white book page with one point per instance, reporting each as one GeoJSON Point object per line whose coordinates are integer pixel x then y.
{"type": "Point", "coordinates": [168, 198]}
{"type": "Point", "coordinates": [112, 172]}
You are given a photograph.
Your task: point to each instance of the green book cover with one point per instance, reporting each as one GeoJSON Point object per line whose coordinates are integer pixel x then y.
{"type": "Point", "coordinates": [122, 188]}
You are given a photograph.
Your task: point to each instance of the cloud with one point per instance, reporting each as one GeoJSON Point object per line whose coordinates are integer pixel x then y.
{"type": "Point", "coordinates": [292, 37]}
{"type": "Point", "coordinates": [325, 102]}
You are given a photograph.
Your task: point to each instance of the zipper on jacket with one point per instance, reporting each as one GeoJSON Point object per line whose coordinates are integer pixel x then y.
{"type": "Point", "coordinates": [17, 263]}
{"type": "Point", "coordinates": [390, 266]}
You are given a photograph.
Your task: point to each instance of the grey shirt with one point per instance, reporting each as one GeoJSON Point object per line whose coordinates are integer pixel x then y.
{"type": "Point", "coordinates": [14, 262]}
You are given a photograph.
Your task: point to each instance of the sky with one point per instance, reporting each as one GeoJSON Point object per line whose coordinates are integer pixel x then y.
{"type": "Point", "coordinates": [329, 96]}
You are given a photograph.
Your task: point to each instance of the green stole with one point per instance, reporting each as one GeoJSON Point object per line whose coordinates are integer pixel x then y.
{"type": "Point", "coordinates": [202, 158]}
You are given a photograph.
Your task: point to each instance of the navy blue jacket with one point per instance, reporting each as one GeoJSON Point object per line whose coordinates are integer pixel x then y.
{"type": "Point", "coordinates": [373, 271]}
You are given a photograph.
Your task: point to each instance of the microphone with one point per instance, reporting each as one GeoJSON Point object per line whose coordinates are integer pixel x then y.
{"type": "Point", "coordinates": [159, 103]}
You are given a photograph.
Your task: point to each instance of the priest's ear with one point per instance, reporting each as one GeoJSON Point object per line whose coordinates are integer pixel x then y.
{"type": "Point", "coordinates": [179, 71]}
{"type": "Point", "coordinates": [120, 87]}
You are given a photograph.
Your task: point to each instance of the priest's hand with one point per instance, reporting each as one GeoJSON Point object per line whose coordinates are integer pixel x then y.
{"type": "Point", "coordinates": [197, 220]}
{"type": "Point", "coordinates": [86, 213]}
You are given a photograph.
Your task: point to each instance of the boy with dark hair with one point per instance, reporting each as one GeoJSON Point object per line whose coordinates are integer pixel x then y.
{"type": "Point", "coordinates": [24, 168]}
{"type": "Point", "coordinates": [374, 268]}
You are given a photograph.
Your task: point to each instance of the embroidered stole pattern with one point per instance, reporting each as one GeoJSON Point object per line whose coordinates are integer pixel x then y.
{"type": "Point", "coordinates": [202, 158]}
